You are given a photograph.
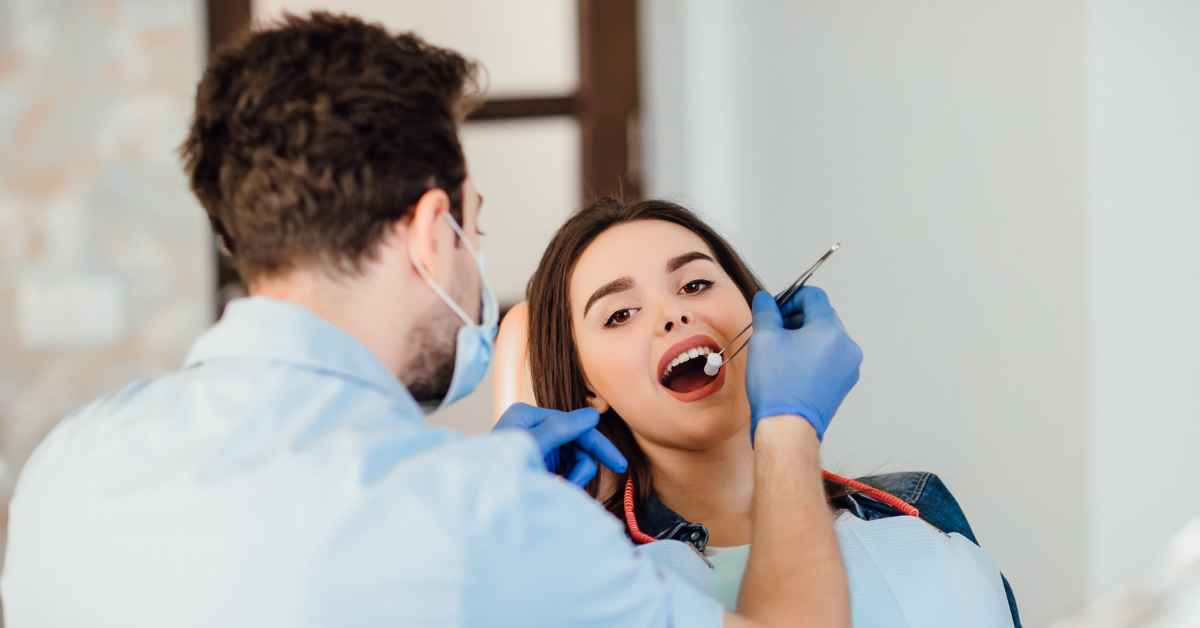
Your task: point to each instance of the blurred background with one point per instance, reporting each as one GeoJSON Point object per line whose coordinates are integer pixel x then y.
{"type": "Point", "coordinates": [1015, 185]}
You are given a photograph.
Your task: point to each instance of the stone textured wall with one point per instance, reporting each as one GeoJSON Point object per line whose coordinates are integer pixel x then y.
{"type": "Point", "coordinates": [105, 259]}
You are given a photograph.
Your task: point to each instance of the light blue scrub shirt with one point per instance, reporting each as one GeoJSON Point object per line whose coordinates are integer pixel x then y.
{"type": "Point", "coordinates": [285, 478]}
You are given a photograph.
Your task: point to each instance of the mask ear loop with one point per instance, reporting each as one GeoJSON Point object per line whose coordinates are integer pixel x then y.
{"type": "Point", "coordinates": [424, 272]}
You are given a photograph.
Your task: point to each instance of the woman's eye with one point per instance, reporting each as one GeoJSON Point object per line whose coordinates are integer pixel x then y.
{"type": "Point", "coordinates": [619, 317]}
{"type": "Point", "coordinates": [696, 287]}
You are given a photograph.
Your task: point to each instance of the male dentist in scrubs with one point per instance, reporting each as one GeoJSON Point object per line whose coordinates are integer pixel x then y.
{"type": "Point", "coordinates": [286, 476]}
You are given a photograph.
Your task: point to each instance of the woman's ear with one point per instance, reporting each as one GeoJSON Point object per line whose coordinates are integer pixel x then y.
{"type": "Point", "coordinates": [598, 403]}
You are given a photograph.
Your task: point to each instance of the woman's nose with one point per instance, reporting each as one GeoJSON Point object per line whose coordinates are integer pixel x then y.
{"type": "Point", "coordinates": [684, 319]}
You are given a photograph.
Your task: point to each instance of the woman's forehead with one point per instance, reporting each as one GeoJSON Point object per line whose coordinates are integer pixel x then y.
{"type": "Point", "coordinates": [639, 250]}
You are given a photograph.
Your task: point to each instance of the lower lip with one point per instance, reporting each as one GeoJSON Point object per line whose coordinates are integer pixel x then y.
{"type": "Point", "coordinates": [702, 392]}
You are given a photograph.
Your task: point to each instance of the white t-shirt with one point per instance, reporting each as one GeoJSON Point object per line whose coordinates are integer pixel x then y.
{"type": "Point", "coordinates": [729, 565]}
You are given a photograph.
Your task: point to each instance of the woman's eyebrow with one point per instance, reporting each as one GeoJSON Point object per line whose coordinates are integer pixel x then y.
{"type": "Point", "coordinates": [619, 284]}
{"type": "Point", "coordinates": [679, 261]}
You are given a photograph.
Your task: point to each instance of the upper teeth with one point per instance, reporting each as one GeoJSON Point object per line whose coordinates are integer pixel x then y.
{"type": "Point", "coordinates": [690, 354]}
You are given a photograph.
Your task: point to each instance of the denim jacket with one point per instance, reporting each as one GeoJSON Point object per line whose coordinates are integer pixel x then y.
{"type": "Point", "coordinates": [923, 491]}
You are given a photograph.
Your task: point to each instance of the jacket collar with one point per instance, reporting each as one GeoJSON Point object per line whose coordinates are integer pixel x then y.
{"type": "Point", "coordinates": [656, 519]}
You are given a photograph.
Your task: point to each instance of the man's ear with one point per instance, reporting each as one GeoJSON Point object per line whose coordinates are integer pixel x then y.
{"type": "Point", "coordinates": [425, 228]}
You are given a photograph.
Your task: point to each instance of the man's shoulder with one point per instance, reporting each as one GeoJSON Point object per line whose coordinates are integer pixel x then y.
{"type": "Point", "coordinates": [487, 479]}
{"type": "Point", "coordinates": [459, 497]}
{"type": "Point", "coordinates": [469, 473]}
{"type": "Point", "coordinates": [77, 422]}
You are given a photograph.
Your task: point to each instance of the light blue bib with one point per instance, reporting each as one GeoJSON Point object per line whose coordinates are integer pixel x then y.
{"type": "Point", "coordinates": [902, 572]}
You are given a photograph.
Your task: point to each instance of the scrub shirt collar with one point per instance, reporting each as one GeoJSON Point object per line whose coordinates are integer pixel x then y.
{"type": "Point", "coordinates": [267, 329]}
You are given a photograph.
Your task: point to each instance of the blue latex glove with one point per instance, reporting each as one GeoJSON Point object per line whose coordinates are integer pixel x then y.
{"type": "Point", "coordinates": [806, 371]}
{"type": "Point", "coordinates": [567, 440]}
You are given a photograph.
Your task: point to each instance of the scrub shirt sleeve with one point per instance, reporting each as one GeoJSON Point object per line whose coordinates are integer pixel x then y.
{"type": "Point", "coordinates": [557, 558]}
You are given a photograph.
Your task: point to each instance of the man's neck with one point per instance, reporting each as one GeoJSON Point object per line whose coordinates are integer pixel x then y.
{"type": "Point", "coordinates": [354, 306]}
{"type": "Point", "coordinates": [714, 487]}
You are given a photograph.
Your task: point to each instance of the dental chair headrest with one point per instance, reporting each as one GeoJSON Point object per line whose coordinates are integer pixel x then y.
{"type": "Point", "coordinates": [511, 381]}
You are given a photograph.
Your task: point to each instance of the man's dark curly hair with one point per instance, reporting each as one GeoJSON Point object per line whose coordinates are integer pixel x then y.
{"type": "Point", "coordinates": [311, 136]}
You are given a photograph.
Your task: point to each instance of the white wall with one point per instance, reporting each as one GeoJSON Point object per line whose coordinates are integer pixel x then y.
{"type": "Point", "coordinates": [997, 267]}
{"type": "Point", "coordinates": [527, 46]}
{"type": "Point", "coordinates": [1144, 278]}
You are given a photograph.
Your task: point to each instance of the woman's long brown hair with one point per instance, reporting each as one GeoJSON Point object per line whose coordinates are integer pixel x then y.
{"type": "Point", "coordinates": [557, 372]}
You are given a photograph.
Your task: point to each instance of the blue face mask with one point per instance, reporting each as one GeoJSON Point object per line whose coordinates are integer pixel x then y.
{"type": "Point", "coordinates": [476, 342]}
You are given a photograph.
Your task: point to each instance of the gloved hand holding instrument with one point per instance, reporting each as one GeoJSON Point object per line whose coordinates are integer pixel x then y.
{"type": "Point", "coordinates": [801, 362]}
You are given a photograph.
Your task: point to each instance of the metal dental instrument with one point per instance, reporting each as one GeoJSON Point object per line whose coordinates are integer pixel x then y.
{"type": "Point", "coordinates": [715, 361]}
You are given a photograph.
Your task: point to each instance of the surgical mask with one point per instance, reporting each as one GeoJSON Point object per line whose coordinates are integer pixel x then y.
{"type": "Point", "coordinates": [476, 341]}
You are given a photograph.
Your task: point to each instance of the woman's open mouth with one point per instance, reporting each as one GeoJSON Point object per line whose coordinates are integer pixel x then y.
{"type": "Point", "coordinates": [681, 369]}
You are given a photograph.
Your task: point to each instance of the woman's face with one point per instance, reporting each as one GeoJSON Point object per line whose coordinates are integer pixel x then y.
{"type": "Point", "coordinates": [642, 295]}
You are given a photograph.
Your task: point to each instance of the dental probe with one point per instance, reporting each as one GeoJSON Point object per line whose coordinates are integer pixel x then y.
{"type": "Point", "coordinates": [715, 361]}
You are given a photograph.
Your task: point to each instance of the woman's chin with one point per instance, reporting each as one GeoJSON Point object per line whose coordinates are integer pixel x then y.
{"type": "Point", "coordinates": [717, 418]}
{"type": "Point", "coordinates": [696, 426]}
{"type": "Point", "coordinates": [709, 426]}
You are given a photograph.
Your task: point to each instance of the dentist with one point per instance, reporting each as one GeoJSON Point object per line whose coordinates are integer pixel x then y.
{"type": "Point", "coordinates": [285, 475]}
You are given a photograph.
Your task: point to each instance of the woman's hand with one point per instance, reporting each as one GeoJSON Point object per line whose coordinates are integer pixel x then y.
{"type": "Point", "coordinates": [806, 371]}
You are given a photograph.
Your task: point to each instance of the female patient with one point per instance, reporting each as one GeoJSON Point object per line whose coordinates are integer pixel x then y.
{"type": "Point", "coordinates": [625, 304]}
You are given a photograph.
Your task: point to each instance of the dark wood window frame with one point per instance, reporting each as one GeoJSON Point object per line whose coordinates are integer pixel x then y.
{"type": "Point", "coordinates": [606, 103]}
